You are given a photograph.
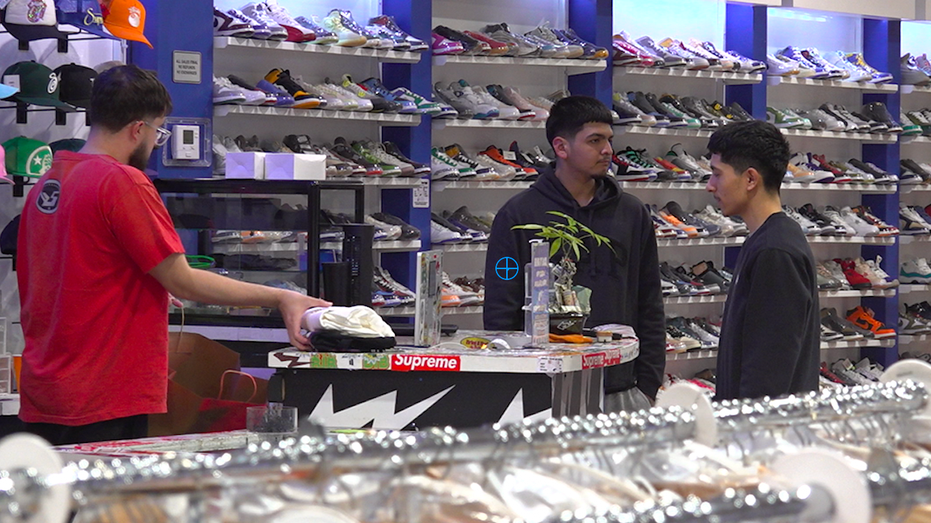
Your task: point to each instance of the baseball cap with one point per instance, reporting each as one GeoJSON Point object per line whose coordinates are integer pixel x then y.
{"type": "Point", "coordinates": [68, 144]}
{"type": "Point", "coordinates": [126, 19]}
{"type": "Point", "coordinates": [7, 91]}
{"type": "Point", "coordinates": [27, 157]}
{"type": "Point", "coordinates": [4, 177]}
{"type": "Point", "coordinates": [76, 83]}
{"type": "Point", "coordinates": [31, 20]}
{"type": "Point", "coordinates": [37, 84]}
{"type": "Point", "coordinates": [86, 15]}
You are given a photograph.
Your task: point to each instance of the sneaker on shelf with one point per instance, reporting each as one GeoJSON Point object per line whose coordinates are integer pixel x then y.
{"type": "Point", "coordinates": [876, 76]}
{"type": "Point", "coordinates": [466, 297]}
{"type": "Point", "coordinates": [296, 32]}
{"type": "Point", "coordinates": [441, 235]}
{"type": "Point", "coordinates": [225, 93]}
{"type": "Point", "coordinates": [393, 150]}
{"type": "Point", "coordinates": [482, 172]}
{"type": "Point", "coordinates": [809, 228]}
{"type": "Point", "coordinates": [862, 227]}
{"type": "Point", "coordinates": [679, 342]}
{"type": "Point", "coordinates": [408, 232]}
{"type": "Point", "coordinates": [857, 281]}
{"type": "Point", "coordinates": [259, 12]}
{"type": "Point", "coordinates": [831, 320]}
{"type": "Point", "coordinates": [336, 23]}
{"type": "Point", "coordinates": [780, 66]}
{"type": "Point", "coordinates": [825, 223]}
{"type": "Point", "coordinates": [374, 86]}
{"type": "Point", "coordinates": [865, 214]}
{"type": "Point", "coordinates": [343, 149]}
{"type": "Point", "coordinates": [442, 167]}
{"type": "Point", "coordinates": [837, 273]}
{"type": "Point", "coordinates": [506, 111]}
{"type": "Point", "coordinates": [913, 325]}
{"type": "Point", "coordinates": [873, 270]}
{"type": "Point", "coordinates": [915, 271]}
{"type": "Point", "coordinates": [378, 151]}
{"type": "Point", "coordinates": [783, 120]}
{"type": "Point", "coordinates": [323, 35]}
{"type": "Point", "coordinates": [405, 95]}
{"type": "Point", "coordinates": [388, 165]}
{"type": "Point", "coordinates": [864, 318]}
{"type": "Point", "coordinates": [465, 223]}
{"type": "Point", "coordinates": [911, 223]}
{"type": "Point", "coordinates": [232, 23]}
{"type": "Point", "coordinates": [388, 22]}
{"type": "Point", "coordinates": [502, 33]}
{"type": "Point", "coordinates": [392, 232]}
{"type": "Point", "coordinates": [826, 280]}
{"type": "Point", "coordinates": [302, 98]}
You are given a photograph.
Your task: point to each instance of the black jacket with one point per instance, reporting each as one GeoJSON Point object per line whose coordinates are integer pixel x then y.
{"type": "Point", "coordinates": [771, 334]}
{"type": "Point", "coordinates": [625, 287]}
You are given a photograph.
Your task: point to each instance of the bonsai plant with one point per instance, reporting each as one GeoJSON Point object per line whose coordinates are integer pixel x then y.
{"type": "Point", "coordinates": [567, 239]}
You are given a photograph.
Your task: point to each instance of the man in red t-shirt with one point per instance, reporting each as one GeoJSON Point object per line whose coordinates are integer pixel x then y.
{"type": "Point", "coordinates": [97, 258]}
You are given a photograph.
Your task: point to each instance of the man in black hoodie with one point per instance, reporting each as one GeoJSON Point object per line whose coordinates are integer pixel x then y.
{"type": "Point", "coordinates": [625, 282]}
{"type": "Point", "coordinates": [770, 335]}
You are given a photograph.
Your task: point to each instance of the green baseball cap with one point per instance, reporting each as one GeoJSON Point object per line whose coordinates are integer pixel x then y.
{"type": "Point", "coordinates": [27, 157]}
{"type": "Point", "coordinates": [37, 85]}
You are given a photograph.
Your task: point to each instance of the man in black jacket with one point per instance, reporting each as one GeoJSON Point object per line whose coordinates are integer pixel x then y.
{"type": "Point", "coordinates": [625, 282]}
{"type": "Point", "coordinates": [770, 335]}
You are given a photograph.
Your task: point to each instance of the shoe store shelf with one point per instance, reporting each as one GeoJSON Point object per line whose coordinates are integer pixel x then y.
{"type": "Point", "coordinates": [918, 187]}
{"type": "Point", "coordinates": [862, 137]}
{"type": "Point", "coordinates": [907, 288]}
{"type": "Point", "coordinates": [391, 181]}
{"type": "Point", "coordinates": [233, 333]}
{"type": "Point", "coordinates": [907, 339]}
{"type": "Point", "coordinates": [914, 139]}
{"type": "Point", "coordinates": [692, 355]}
{"type": "Point", "coordinates": [513, 186]}
{"type": "Point", "coordinates": [381, 246]}
{"type": "Point", "coordinates": [463, 247]}
{"type": "Point", "coordinates": [396, 120]}
{"type": "Point", "coordinates": [915, 89]}
{"type": "Point", "coordinates": [238, 44]}
{"type": "Point", "coordinates": [841, 84]}
{"type": "Point", "coordinates": [887, 342]}
{"type": "Point", "coordinates": [442, 123]}
{"type": "Point", "coordinates": [905, 239]}
{"type": "Point", "coordinates": [854, 240]}
{"type": "Point", "coordinates": [683, 300]}
{"type": "Point", "coordinates": [663, 131]}
{"type": "Point", "coordinates": [697, 242]}
{"type": "Point", "coordinates": [872, 293]}
{"type": "Point", "coordinates": [680, 72]}
{"type": "Point", "coordinates": [788, 186]}
{"type": "Point", "coordinates": [410, 311]}
{"type": "Point", "coordinates": [571, 66]}
{"type": "Point", "coordinates": [240, 248]}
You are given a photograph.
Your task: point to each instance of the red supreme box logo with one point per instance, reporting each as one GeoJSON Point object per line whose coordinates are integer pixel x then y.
{"type": "Point", "coordinates": [406, 363]}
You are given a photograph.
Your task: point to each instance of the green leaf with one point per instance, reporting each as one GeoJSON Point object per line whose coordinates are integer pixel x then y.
{"type": "Point", "coordinates": [554, 248]}
{"type": "Point", "coordinates": [575, 247]}
{"type": "Point", "coordinates": [529, 226]}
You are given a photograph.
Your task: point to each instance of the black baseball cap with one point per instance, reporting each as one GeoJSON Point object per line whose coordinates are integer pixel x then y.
{"type": "Point", "coordinates": [31, 20]}
{"type": "Point", "coordinates": [68, 144]}
{"type": "Point", "coordinates": [76, 83]}
{"type": "Point", "coordinates": [37, 84]}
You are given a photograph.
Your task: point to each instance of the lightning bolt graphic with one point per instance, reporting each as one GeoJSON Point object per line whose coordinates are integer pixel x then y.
{"type": "Point", "coordinates": [380, 410]}
{"type": "Point", "coordinates": [515, 412]}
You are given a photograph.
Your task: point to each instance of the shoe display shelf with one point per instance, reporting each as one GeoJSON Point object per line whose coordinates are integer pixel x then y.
{"type": "Point", "coordinates": [739, 240]}
{"type": "Point", "coordinates": [914, 140]}
{"type": "Point", "coordinates": [382, 246]}
{"type": "Point", "coordinates": [837, 135]}
{"type": "Point", "coordinates": [440, 124]}
{"type": "Point", "coordinates": [662, 131]}
{"type": "Point", "coordinates": [688, 186]}
{"type": "Point", "coordinates": [914, 89]}
{"type": "Point", "coordinates": [825, 345]}
{"type": "Point", "coordinates": [391, 181]}
{"type": "Point", "coordinates": [905, 239]}
{"type": "Point", "coordinates": [865, 87]}
{"type": "Point", "coordinates": [909, 339]}
{"type": "Point", "coordinates": [676, 73]}
{"type": "Point", "coordinates": [462, 247]}
{"type": "Point", "coordinates": [244, 46]}
{"type": "Point", "coordinates": [385, 119]}
{"type": "Point", "coordinates": [572, 67]}
{"type": "Point", "coordinates": [410, 311]}
{"type": "Point", "coordinates": [908, 288]}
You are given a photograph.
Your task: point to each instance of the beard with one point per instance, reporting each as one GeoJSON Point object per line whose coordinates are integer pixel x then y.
{"type": "Point", "coordinates": [140, 157]}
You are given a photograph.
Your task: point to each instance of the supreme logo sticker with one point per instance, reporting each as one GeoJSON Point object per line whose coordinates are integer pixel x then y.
{"type": "Point", "coordinates": [408, 363]}
{"type": "Point", "coordinates": [593, 361]}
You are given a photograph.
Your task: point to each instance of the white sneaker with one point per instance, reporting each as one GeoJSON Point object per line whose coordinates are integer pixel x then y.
{"type": "Point", "coordinates": [440, 234]}
{"type": "Point", "coordinates": [466, 298]}
{"type": "Point", "coordinates": [808, 227]}
{"type": "Point", "coordinates": [505, 111]}
{"type": "Point", "coordinates": [296, 31]}
{"type": "Point", "coordinates": [442, 166]}
{"type": "Point", "coordinates": [347, 37]}
{"type": "Point", "coordinates": [885, 281]}
{"type": "Point", "coordinates": [260, 13]}
{"type": "Point", "coordinates": [328, 91]}
{"type": "Point", "coordinates": [224, 92]}
{"type": "Point", "coordinates": [779, 66]}
{"type": "Point", "coordinates": [502, 172]}
{"type": "Point", "coordinates": [362, 104]}
{"type": "Point", "coordinates": [838, 222]}
{"type": "Point", "coordinates": [463, 170]}
{"type": "Point", "coordinates": [915, 271]}
{"type": "Point", "coordinates": [861, 227]}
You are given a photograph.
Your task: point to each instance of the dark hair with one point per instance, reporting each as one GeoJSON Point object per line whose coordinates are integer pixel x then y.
{"type": "Point", "coordinates": [127, 94]}
{"type": "Point", "coordinates": [570, 114]}
{"type": "Point", "coordinates": [754, 144]}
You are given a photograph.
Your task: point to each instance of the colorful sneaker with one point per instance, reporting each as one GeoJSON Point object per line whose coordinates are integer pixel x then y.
{"type": "Point", "coordinates": [377, 151]}
{"type": "Point", "coordinates": [225, 93]}
{"type": "Point", "coordinates": [393, 150]}
{"type": "Point", "coordinates": [416, 44]}
{"type": "Point", "coordinates": [442, 167]}
{"type": "Point", "coordinates": [444, 46]}
{"type": "Point", "coordinates": [495, 48]}
{"type": "Point", "coordinates": [856, 280]}
{"type": "Point", "coordinates": [518, 46]}
{"type": "Point", "coordinates": [324, 35]}
{"type": "Point", "coordinates": [347, 37]}
{"type": "Point", "coordinates": [281, 16]}
{"type": "Point", "coordinates": [591, 51]}
{"type": "Point", "coordinates": [379, 104]}
{"type": "Point", "coordinates": [374, 86]}
{"type": "Point", "coordinates": [864, 318]}
{"type": "Point", "coordinates": [387, 169]}
{"type": "Point", "coordinates": [302, 98]}
{"type": "Point", "coordinates": [782, 120]}
{"type": "Point", "coordinates": [232, 23]}
{"type": "Point", "coordinates": [258, 12]}
{"type": "Point", "coordinates": [876, 76]}
{"type": "Point", "coordinates": [282, 98]}
{"type": "Point", "coordinates": [795, 54]}
{"type": "Point", "coordinates": [911, 73]}
{"type": "Point", "coordinates": [915, 271]}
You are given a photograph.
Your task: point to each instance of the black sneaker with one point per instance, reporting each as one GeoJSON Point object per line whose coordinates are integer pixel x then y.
{"type": "Point", "coordinates": [913, 166]}
{"type": "Point", "coordinates": [408, 231]}
{"type": "Point", "coordinates": [832, 321]}
{"type": "Point", "coordinates": [393, 150]}
{"type": "Point", "coordinates": [739, 112]}
{"type": "Point", "coordinates": [456, 152]}
{"type": "Point", "coordinates": [684, 287]}
{"type": "Point", "coordinates": [533, 160]}
{"type": "Point", "coordinates": [875, 126]}
{"type": "Point", "coordinates": [700, 288]}
{"type": "Point", "coordinates": [471, 45]}
{"type": "Point", "coordinates": [708, 275]}
{"type": "Point", "coordinates": [877, 111]}
{"type": "Point", "coordinates": [694, 107]}
{"type": "Point", "coordinates": [922, 310]}
{"type": "Point", "coordinates": [464, 217]}
{"type": "Point", "coordinates": [823, 222]}
{"type": "Point", "coordinates": [640, 102]}
{"type": "Point", "coordinates": [674, 121]}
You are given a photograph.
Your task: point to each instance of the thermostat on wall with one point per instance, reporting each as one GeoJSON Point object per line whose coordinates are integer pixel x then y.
{"type": "Point", "coordinates": [185, 142]}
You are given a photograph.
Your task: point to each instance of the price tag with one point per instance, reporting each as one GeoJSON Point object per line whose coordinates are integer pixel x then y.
{"type": "Point", "coordinates": [421, 195]}
{"type": "Point", "coordinates": [11, 79]}
{"type": "Point", "coordinates": [510, 156]}
{"type": "Point", "coordinates": [349, 361]}
{"type": "Point", "coordinates": [549, 364]}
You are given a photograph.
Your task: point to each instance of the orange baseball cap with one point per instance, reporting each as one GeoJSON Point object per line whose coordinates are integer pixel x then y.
{"type": "Point", "coordinates": [126, 19]}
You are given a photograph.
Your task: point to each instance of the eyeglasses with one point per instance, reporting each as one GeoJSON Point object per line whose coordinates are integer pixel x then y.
{"type": "Point", "coordinates": [162, 134]}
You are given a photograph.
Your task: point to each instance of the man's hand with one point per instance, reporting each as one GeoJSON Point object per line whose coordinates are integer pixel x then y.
{"type": "Point", "coordinates": [292, 306]}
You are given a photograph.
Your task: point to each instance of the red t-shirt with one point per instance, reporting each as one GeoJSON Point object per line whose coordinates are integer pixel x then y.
{"type": "Point", "coordinates": [95, 322]}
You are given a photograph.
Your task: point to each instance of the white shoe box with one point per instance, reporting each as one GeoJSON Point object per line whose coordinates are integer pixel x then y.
{"type": "Point", "coordinates": [286, 166]}
{"type": "Point", "coordinates": [245, 166]}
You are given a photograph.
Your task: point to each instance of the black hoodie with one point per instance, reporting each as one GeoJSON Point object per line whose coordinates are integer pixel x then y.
{"type": "Point", "coordinates": [625, 287]}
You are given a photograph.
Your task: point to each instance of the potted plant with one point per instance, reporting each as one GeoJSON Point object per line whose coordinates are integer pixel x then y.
{"type": "Point", "coordinates": [569, 304]}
